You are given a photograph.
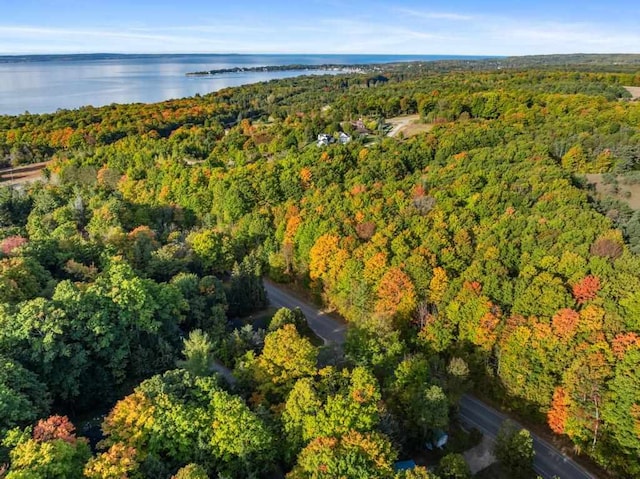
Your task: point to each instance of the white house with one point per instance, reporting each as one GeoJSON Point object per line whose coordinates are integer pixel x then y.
{"type": "Point", "coordinates": [343, 138]}
{"type": "Point", "coordinates": [325, 139]}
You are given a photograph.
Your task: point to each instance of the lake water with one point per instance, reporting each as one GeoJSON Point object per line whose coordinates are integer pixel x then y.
{"type": "Point", "coordinates": [46, 86]}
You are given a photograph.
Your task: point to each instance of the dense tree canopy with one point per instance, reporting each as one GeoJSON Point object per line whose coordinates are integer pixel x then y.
{"type": "Point", "coordinates": [471, 251]}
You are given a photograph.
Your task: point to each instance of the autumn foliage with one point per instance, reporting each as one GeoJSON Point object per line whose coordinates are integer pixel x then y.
{"type": "Point", "coordinates": [438, 284]}
{"type": "Point", "coordinates": [396, 294]}
{"type": "Point", "coordinates": [558, 414]}
{"type": "Point", "coordinates": [55, 427]}
{"type": "Point", "coordinates": [622, 342]}
{"type": "Point", "coordinates": [565, 323]}
{"type": "Point", "coordinates": [115, 463]}
{"type": "Point", "coordinates": [586, 289]}
{"type": "Point", "coordinates": [130, 420]}
{"type": "Point", "coordinates": [352, 455]}
{"type": "Point", "coordinates": [11, 243]}
{"type": "Point", "coordinates": [326, 257]}
{"type": "Point", "coordinates": [479, 221]}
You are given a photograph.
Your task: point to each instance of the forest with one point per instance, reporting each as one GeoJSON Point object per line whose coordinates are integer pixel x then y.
{"type": "Point", "coordinates": [470, 258]}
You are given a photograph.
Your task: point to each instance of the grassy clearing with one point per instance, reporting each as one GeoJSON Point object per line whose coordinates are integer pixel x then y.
{"type": "Point", "coordinates": [620, 189]}
{"type": "Point", "coordinates": [408, 126]}
{"type": "Point", "coordinates": [635, 91]}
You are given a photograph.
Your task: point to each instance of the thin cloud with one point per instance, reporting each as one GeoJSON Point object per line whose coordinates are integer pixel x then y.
{"type": "Point", "coordinates": [72, 32]}
{"type": "Point", "coordinates": [452, 16]}
{"type": "Point", "coordinates": [375, 31]}
{"type": "Point", "coordinates": [556, 37]}
{"type": "Point", "coordinates": [400, 33]}
{"type": "Point", "coordinates": [31, 39]}
{"type": "Point", "coordinates": [213, 28]}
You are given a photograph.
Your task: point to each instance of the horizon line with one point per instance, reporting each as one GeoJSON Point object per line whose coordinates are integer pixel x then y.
{"type": "Point", "coordinates": [5, 54]}
{"type": "Point", "coordinates": [453, 55]}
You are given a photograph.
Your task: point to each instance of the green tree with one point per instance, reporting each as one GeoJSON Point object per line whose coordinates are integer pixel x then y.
{"type": "Point", "coordinates": [246, 292]}
{"type": "Point", "coordinates": [355, 407]}
{"type": "Point", "coordinates": [239, 437]}
{"type": "Point", "coordinates": [207, 302]}
{"type": "Point", "coordinates": [22, 279]}
{"type": "Point", "coordinates": [621, 410]}
{"type": "Point", "coordinates": [418, 472]}
{"type": "Point", "coordinates": [332, 405]}
{"type": "Point", "coordinates": [287, 316]}
{"type": "Point", "coordinates": [453, 466]}
{"type": "Point", "coordinates": [198, 353]}
{"type": "Point", "coordinates": [176, 418]}
{"type": "Point", "coordinates": [421, 405]}
{"type": "Point", "coordinates": [457, 382]}
{"type": "Point", "coordinates": [41, 336]}
{"type": "Point", "coordinates": [514, 451]}
{"type": "Point", "coordinates": [377, 348]}
{"type": "Point", "coordinates": [191, 471]}
{"type": "Point", "coordinates": [299, 417]}
{"type": "Point", "coordinates": [287, 357]}
{"type": "Point", "coordinates": [211, 249]}
{"type": "Point", "coordinates": [23, 398]}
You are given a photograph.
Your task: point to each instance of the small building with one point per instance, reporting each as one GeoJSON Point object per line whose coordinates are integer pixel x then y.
{"type": "Point", "coordinates": [343, 138]}
{"type": "Point", "coordinates": [359, 127]}
{"type": "Point", "coordinates": [325, 139]}
{"type": "Point", "coordinates": [439, 439]}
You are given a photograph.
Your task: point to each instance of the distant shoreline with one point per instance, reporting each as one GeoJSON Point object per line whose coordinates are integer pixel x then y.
{"type": "Point", "coordinates": [283, 68]}
{"type": "Point", "coordinates": [374, 57]}
{"type": "Point", "coordinates": [47, 83]}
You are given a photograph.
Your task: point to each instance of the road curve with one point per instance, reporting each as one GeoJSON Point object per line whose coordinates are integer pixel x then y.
{"type": "Point", "coordinates": [328, 328]}
{"type": "Point", "coordinates": [549, 462]}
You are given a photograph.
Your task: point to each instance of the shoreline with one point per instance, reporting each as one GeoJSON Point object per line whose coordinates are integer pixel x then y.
{"type": "Point", "coordinates": [284, 68]}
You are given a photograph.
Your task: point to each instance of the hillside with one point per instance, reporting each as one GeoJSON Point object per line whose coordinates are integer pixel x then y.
{"type": "Point", "coordinates": [470, 253]}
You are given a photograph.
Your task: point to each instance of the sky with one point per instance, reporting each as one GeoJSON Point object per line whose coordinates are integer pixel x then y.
{"type": "Point", "coordinates": [455, 27]}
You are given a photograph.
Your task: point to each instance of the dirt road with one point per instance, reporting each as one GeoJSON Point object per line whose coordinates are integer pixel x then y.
{"type": "Point", "coordinates": [635, 91]}
{"type": "Point", "coordinates": [22, 174]}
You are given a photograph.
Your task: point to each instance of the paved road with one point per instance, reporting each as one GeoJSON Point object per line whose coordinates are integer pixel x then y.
{"type": "Point", "coordinates": [224, 371]}
{"type": "Point", "coordinates": [549, 462]}
{"type": "Point", "coordinates": [328, 328]}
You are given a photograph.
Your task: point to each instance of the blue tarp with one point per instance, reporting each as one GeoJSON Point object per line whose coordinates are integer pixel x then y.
{"type": "Point", "coordinates": [404, 465]}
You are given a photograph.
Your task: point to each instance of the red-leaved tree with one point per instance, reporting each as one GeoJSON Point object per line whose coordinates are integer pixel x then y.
{"type": "Point", "coordinates": [586, 289]}
{"type": "Point", "coordinates": [557, 415]}
{"type": "Point", "coordinates": [55, 427]}
{"type": "Point", "coordinates": [10, 243]}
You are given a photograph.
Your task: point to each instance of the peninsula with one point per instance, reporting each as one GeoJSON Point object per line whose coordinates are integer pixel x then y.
{"type": "Point", "coordinates": [282, 68]}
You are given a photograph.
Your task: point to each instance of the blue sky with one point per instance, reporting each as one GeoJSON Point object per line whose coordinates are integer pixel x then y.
{"type": "Point", "coordinates": [462, 27]}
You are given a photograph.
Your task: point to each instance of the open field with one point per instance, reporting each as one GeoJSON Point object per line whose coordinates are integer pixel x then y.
{"type": "Point", "coordinates": [22, 174]}
{"type": "Point", "coordinates": [628, 193]}
{"type": "Point", "coordinates": [408, 125]}
{"type": "Point", "coordinates": [634, 90]}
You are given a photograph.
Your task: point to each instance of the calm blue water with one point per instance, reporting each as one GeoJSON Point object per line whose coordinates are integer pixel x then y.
{"type": "Point", "coordinates": [45, 86]}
